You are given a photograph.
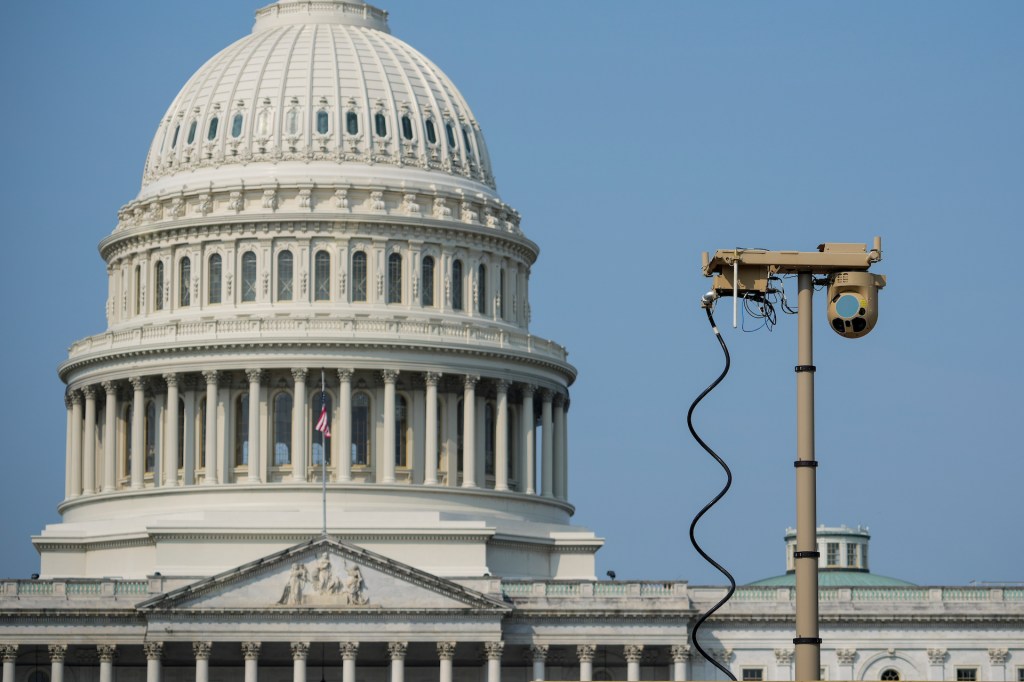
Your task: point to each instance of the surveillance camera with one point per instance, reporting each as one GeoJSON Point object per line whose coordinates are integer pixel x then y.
{"type": "Point", "coordinates": [853, 302]}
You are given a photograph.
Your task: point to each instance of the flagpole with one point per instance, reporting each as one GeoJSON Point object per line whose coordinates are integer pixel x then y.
{"type": "Point", "coordinates": [323, 454]}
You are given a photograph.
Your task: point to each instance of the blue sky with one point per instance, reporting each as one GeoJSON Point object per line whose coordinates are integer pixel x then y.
{"type": "Point", "coordinates": [632, 136]}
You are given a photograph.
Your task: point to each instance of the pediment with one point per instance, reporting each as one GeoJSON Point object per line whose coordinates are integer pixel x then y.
{"type": "Point", "coordinates": [324, 574]}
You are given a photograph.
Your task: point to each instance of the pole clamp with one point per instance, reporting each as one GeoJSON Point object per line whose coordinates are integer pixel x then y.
{"type": "Point", "coordinates": [806, 555]}
{"type": "Point", "coordinates": [807, 640]}
{"type": "Point", "coordinates": [805, 368]}
{"type": "Point", "coordinates": [806, 463]}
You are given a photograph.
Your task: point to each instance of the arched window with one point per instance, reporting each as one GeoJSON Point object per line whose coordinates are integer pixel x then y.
{"type": "Point", "coordinates": [213, 277]}
{"type": "Point", "coordinates": [481, 301]}
{"type": "Point", "coordinates": [248, 276]}
{"type": "Point", "coordinates": [184, 277]}
{"type": "Point", "coordinates": [322, 276]}
{"type": "Point", "coordinates": [501, 293]}
{"type": "Point", "coordinates": [181, 433]}
{"type": "Point", "coordinates": [427, 297]}
{"type": "Point", "coordinates": [318, 402]}
{"type": "Point", "coordinates": [150, 436]}
{"type": "Point", "coordinates": [457, 285]}
{"type": "Point", "coordinates": [285, 275]}
{"type": "Point", "coordinates": [401, 431]}
{"type": "Point", "coordinates": [431, 132]}
{"type": "Point", "coordinates": [360, 429]}
{"type": "Point", "coordinates": [352, 123]}
{"type": "Point", "coordinates": [395, 278]}
{"type": "Point", "coordinates": [380, 124]}
{"type": "Point", "coordinates": [158, 285]}
{"type": "Point", "coordinates": [236, 125]}
{"type": "Point", "coordinates": [406, 127]}
{"type": "Point", "coordinates": [201, 450]}
{"type": "Point", "coordinates": [282, 428]}
{"type": "Point", "coordinates": [242, 429]}
{"type": "Point", "coordinates": [192, 132]}
{"type": "Point", "coordinates": [359, 276]}
{"type": "Point", "coordinates": [138, 290]}
{"type": "Point", "coordinates": [211, 133]}
{"type": "Point", "coordinates": [489, 440]}
{"type": "Point", "coordinates": [322, 122]}
{"type": "Point", "coordinates": [890, 674]}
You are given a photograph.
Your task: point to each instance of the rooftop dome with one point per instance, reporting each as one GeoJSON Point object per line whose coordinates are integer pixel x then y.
{"type": "Point", "coordinates": [318, 90]}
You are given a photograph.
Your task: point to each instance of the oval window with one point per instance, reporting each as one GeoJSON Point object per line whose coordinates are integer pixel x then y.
{"type": "Point", "coordinates": [236, 126]}
{"type": "Point", "coordinates": [192, 132]}
{"type": "Point", "coordinates": [431, 132]}
{"type": "Point", "coordinates": [451, 135]}
{"type": "Point", "coordinates": [352, 123]}
{"type": "Point", "coordinates": [212, 132]}
{"type": "Point", "coordinates": [322, 122]}
{"type": "Point", "coordinates": [380, 124]}
{"type": "Point", "coordinates": [406, 128]}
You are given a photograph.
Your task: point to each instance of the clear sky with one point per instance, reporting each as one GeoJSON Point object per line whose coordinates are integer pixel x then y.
{"type": "Point", "coordinates": [631, 137]}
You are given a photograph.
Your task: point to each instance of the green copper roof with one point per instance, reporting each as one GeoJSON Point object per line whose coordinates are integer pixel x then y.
{"type": "Point", "coordinates": [836, 579]}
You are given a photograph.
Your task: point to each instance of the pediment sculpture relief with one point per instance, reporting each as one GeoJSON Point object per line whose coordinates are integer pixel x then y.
{"type": "Point", "coordinates": [320, 585]}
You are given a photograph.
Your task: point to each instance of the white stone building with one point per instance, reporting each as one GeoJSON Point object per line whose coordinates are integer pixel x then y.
{"type": "Point", "coordinates": [318, 207]}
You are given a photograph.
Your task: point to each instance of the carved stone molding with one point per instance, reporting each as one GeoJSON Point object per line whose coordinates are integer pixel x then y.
{"type": "Point", "coordinates": [171, 379]}
{"type": "Point", "coordinates": [57, 652]}
{"type": "Point", "coordinates": [431, 378]}
{"type": "Point", "coordinates": [680, 653]}
{"type": "Point", "coordinates": [723, 655]}
{"type": "Point", "coordinates": [300, 373]}
{"type": "Point", "coordinates": [494, 650]}
{"type": "Point", "coordinates": [254, 375]}
{"type": "Point", "coordinates": [389, 375]}
{"type": "Point", "coordinates": [937, 656]}
{"type": "Point", "coordinates": [502, 386]}
{"type": "Point", "coordinates": [8, 653]}
{"type": "Point", "coordinates": [138, 383]}
{"type": "Point", "coordinates": [106, 652]}
{"type": "Point", "coordinates": [345, 375]}
{"type": "Point", "coordinates": [300, 650]}
{"type": "Point", "coordinates": [446, 650]}
{"type": "Point", "coordinates": [539, 652]}
{"type": "Point", "coordinates": [846, 656]}
{"type": "Point", "coordinates": [633, 652]}
{"type": "Point", "coordinates": [585, 652]}
{"type": "Point", "coordinates": [202, 650]}
{"type": "Point", "coordinates": [348, 650]}
{"type": "Point", "coordinates": [89, 392]}
{"type": "Point", "coordinates": [998, 656]}
{"type": "Point", "coordinates": [470, 381]}
{"type": "Point", "coordinates": [251, 650]}
{"type": "Point", "coordinates": [210, 375]}
{"type": "Point", "coordinates": [784, 656]}
{"type": "Point", "coordinates": [154, 650]}
{"type": "Point", "coordinates": [396, 650]}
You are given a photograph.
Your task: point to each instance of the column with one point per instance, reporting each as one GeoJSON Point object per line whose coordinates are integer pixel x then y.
{"type": "Point", "coordinates": [585, 652]}
{"type": "Point", "coordinates": [343, 438]}
{"type": "Point", "coordinates": [845, 658]}
{"type": "Point", "coordinates": [251, 654]}
{"type": "Point", "coordinates": [558, 431]}
{"type": "Point", "coordinates": [445, 654]}
{"type": "Point", "coordinates": [190, 403]}
{"type": "Point", "coordinates": [110, 437]}
{"type": "Point", "coordinates": [539, 653]}
{"type": "Point", "coordinates": [300, 650]}
{"type": "Point", "coordinates": [106, 655]}
{"type": "Point", "coordinates": [89, 442]}
{"type": "Point", "coordinates": [529, 457]}
{"type": "Point", "coordinates": [565, 450]}
{"type": "Point", "coordinates": [76, 444]}
{"type": "Point", "coordinates": [547, 444]}
{"type": "Point", "coordinates": [681, 656]}
{"type": "Point", "coordinates": [501, 437]}
{"type": "Point", "coordinates": [67, 445]}
{"type": "Point", "coordinates": [225, 455]}
{"type": "Point", "coordinates": [430, 379]}
{"type": "Point", "coordinates": [254, 376]}
{"type": "Point", "coordinates": [493, 650]}
{"type": "Point", "coordinates": [451, 441]}
{"type": "Point", "coordinates": [201, 650]}
{"type": "Point", "coordinates": [349, 651]}
{"type": "Point", "coordinates": [469, 432]}
{"type": "Point", "coordinates": [9, 654]}
{"type": "Point", "coordinates": [387, 455]}
{"type": "Point", "coordinates": [138, 461]}
{"type": "Point", "coordinates": [170, 440]}
{"type": "Point", "coordinates": [154, 653]}
{"type": "Point", "coordinates": [396, 650]}
{"type": "Point", "coordinates": [480, 432]}
{"type": "Point", "coordinates": [299, 426]}
{"type": "Point", "coordinates": [632, 653]}
{"type": "Point", "coordinates": [57, 654]}
{"type": "Point", "coordinates": [997, 664]}
{"type": "Point", "coordinates": [210, 444]}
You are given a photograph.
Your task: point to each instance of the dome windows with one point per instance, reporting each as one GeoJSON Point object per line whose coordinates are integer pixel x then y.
{"type": "Point", "coordinates": [359, 277]}
{"type": "Point", "coordinates": [352, 123]}
{"type": "Point", "coordinates": [322, 276]}
{"type": "Point", "coordinates": [158, 285]}
{"type": "Point", "coordinates": [406, 127]}
{"type": "Point", "coordinates": [456, 285]}
{"type": "Point", "coordinates": [323, 120]}
{"type": "Point", "coordinates": [236, 125]}
{"type": "Point", "coordinates": [465, 139]}
{"type": "Point", "coordinates": [248, 276]}
{"type": "Point", "coordinates": [395, 278]}
{"type": "Point", "coordinates": [192, 131]}
{"type": "Point", "coordinates": [427, 296]}
{"type": "Point", "coordinates": [431, 131]}
{"type": "Point", "coordinates": [360, 429]}
{"type": "Point", "coordinates": [285, 275]}
{"type": "Point", "coordinates": [291, 126]}
{"type": "Point", "coordinates": [481, 301]}
{"type": "Point", "coordinates": [282, 428]}
{"type": "Point", "coordinates": [450, 132]}
{"type": "Point", "coordinates": [214, 275]}
{"type": "Point", "coordinates": [211, 133]}
{"type": "Point", "coordinates": [184, 277]}
{"type": "Point", "coordinates": [380, 124]}
{"type": "Point", "coordinates": [174, 140]}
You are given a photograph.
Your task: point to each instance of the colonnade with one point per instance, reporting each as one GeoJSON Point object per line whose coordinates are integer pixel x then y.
{"type": "Point", "coordinates": [453, 430]}
{"type": "Point", "coordinates": [492, 652]}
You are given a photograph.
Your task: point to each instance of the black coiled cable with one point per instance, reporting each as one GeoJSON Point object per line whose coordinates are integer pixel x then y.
{"type": "Point", "coordinates": [720, 495]}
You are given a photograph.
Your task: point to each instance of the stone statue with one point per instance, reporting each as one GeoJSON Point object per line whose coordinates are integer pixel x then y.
{"type": "Point", "coordinates": [353, 588]}
{"type": "Point", "coordinates": [292, 594]}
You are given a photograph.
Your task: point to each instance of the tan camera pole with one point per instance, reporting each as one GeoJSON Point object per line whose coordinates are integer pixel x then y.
{"type": "Point", "coordinates": [736, 273]}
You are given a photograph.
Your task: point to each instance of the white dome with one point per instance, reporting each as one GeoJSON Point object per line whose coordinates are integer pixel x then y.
{"type": "Point", "coordinates": [319, 92]}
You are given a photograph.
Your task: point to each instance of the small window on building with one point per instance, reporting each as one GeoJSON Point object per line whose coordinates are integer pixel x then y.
{"type": "Point", "coordinates": [427, 299]}
{"type": "Point", "coordinates": [184, 280]}
{"type": "Point", "coordinates": [832, 554]}
{"type": "Point", "coordinates": [137, 298]}
{"type": "Point", "coordinates": [450, 134]}
{"type": "Point", "coordinates": [242, 430]}
{"type": "Point", "coordinates": [360, 429]}
{"type": "Point", "coordinates": [192, 132]}
{"type": "Point", "coordinates": [406, 127]}
{"type": "Point", "coordinates": [851, 555]}
{"type": "Point", "coordinates": [501, 294]}
{"type": "Point", "coordinates": [431, 132]}
{"type": "Point", "coordinates": [174, 140]}
{"type": "Point", "coordinates": [489, 439]}
{"type": "Point", "coordinates": [158, 286]}
{"type": "Point", "coordinates": [401, 432]}
{"type": "Point", "coordinates": [380, 125]}
{"type": "Point", "coordinates": [150, 433]}
{"type": "Point", "coordinates": [1020, 674]}
{"type": "Point", "coordinates": [236, 125]}
{"type": "Point", "coordinates": [322, 276]}
{"type": "Point", "coordinates": [752, 674]}
{"type": "Point", "coordinates": [285, 275]}
{"type": "Point", "coordinates": [37, 676]}
{"type": "Point", "coordinates": [890, 674]}
{"type": "Point", "coordinates": [322, 122]}
{"type": "Point", "coordinates": [214, 279]}
{"type": "Point", "coordinates": [211, 133]}
{"type": "Point", "coordinates": [457, 285]}
{"type": "Point", "coordinates": [395, 278]}
{"type": "Point", "coordinates": [481, 301]}
{"type": "Point", "coordinates": [248, 276]}
{"type": "Point", "coordinates": [359, 276]}
{"type": "Point", "coordinates": [282, 428]}
{"type": "Point", "coordinates": [352, 123]}
{"type": "Point", "coordinates": [966, 675]}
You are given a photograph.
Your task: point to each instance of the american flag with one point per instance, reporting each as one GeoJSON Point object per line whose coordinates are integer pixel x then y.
{"type": "Point", "coordinates": [321, 425]}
